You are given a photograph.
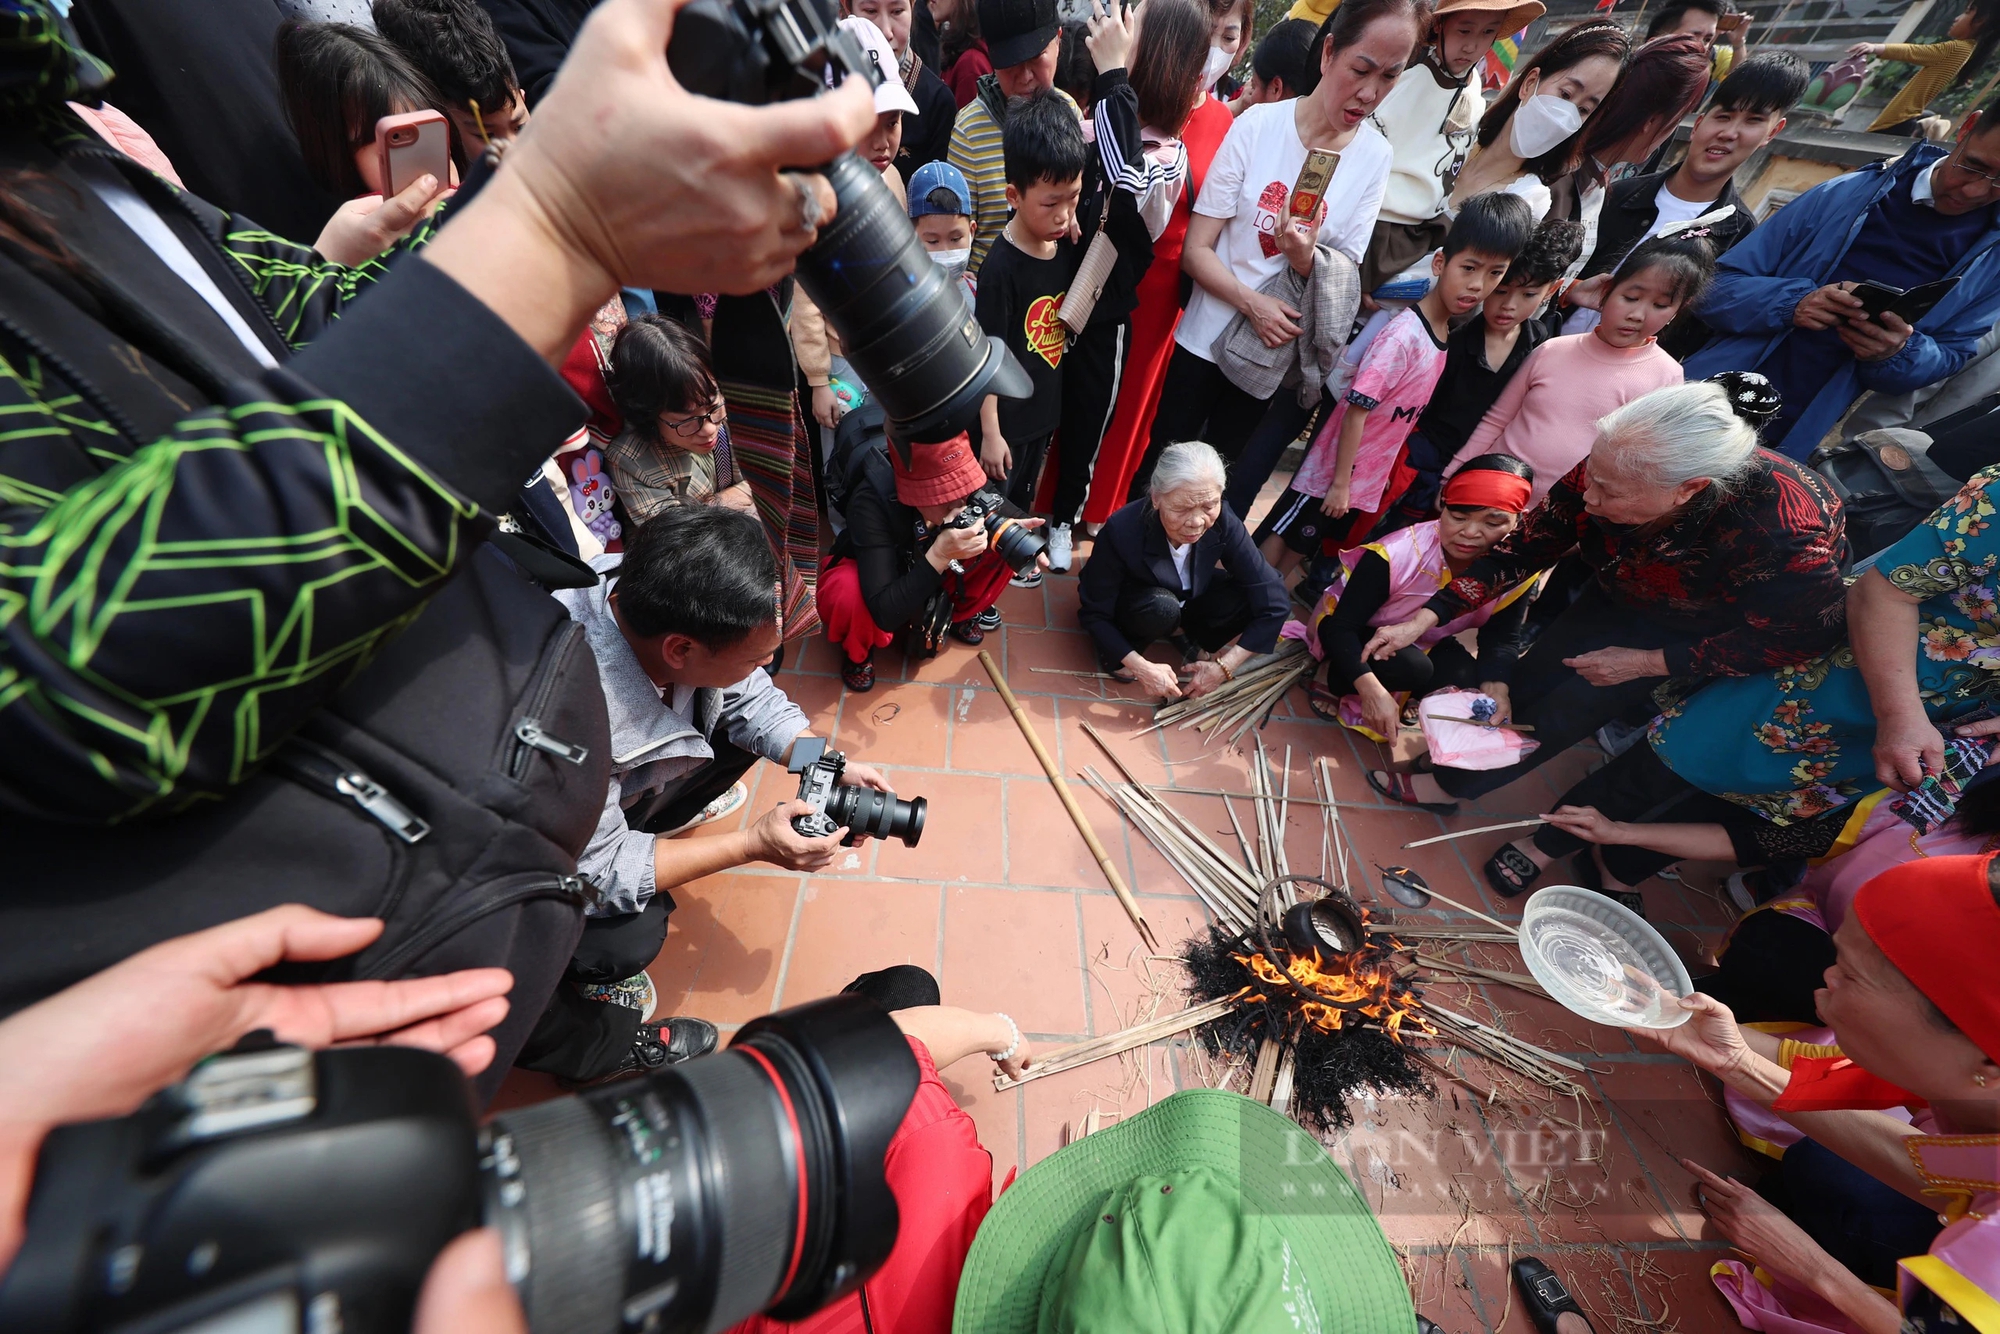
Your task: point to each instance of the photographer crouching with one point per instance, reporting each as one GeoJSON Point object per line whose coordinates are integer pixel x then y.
{"type": "Point", "coordinates": [682, 624]}
{"type": "Point", "coordinates": [915, 559]}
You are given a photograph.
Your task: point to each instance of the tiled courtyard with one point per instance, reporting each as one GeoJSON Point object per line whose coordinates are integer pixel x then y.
{"type": "Point", "coordinates": [1004, 903]}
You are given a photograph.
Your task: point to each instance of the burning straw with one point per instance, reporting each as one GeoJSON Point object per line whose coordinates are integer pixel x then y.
{"type": "Point", "coordinates": [1343, 1023]}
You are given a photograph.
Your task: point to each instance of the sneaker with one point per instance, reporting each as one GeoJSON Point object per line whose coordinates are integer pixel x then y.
{"type": "Point", "coordinates": [1059, 548]}
{"type": "Point", "coordinates": [1028, 578]}
{"type": "Point", "coordinates": [968, 631]}
{"type": "Point", "coordinates": [655, 1046]}
{"type": "Point", "coordinates": [634, 993]}
{"type": "Point", "coordinates": [988, 620]}
{"type": "Point", "coordinates": [858, 676]}
{"type": "Point", "coordinates": [728, 803]}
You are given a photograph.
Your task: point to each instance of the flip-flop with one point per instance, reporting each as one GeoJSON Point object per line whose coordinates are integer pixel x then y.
{"type": "Point", "coordinates": [1544, 1295]}
{"type": "Point", "coordinates": [1511, 872]}
{"type": "Point", "coordinates": [1399, 789]}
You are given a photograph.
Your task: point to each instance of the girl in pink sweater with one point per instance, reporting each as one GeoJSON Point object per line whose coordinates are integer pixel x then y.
{"type": "Point", "coordinates": [1548, 412]}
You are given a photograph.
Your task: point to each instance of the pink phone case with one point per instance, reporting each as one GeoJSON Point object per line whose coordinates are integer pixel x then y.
{"type": "Point", "coordinates": [411, 145]}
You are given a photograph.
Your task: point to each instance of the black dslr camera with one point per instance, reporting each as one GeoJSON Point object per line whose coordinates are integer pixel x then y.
{"type": "Point", "coordinates": [1018, 545]}
{"type": "Point", "coordinates": [864, 812]}
{"type": "Point", "coordinates": [902, 320]}
{"type": "Point", "coordinates": [281, 1190]}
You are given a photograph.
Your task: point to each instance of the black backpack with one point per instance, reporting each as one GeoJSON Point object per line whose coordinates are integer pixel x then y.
{"type": "Point", "coordinates": [448, 789]}
{"type": "Point", "coordinates": [1886, 483]}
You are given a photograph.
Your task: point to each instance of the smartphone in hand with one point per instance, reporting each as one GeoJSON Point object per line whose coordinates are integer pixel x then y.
{"type": "Point", "coordinates": [1907, 304]}
{"type": "Point", "coordinates": [411, 145]}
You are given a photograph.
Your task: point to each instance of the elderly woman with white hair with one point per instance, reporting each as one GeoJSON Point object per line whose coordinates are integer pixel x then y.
{"type": "Point", "coordinates": [1776, 763]}
{"type": "Point", "coordinates": [1179, 565]}
{"type": "Point", "coordinates": [1708, 557]}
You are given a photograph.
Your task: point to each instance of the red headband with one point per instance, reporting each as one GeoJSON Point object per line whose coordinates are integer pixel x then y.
{"type": "Point", "coordinates": [1937, 921]}
{"type": "Point", "coordinates": [1484, 488]}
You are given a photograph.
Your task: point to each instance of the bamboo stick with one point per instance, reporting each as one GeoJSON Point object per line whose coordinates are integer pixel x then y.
{"type": "Point", "coordinates": [1483, 829]}
{"type": "Point", "coordinates": [1502, 1035]}
{"type": "Point", "coordinates": [1513, 931]}
{"type": "Point", "coordinates": [1076, 815]}
{"type": "Point", "coordinates": [1059, 1059]}
{"type": "Point", "coordinates": [1519, 981]}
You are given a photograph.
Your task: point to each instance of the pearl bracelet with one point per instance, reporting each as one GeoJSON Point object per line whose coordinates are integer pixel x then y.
{"type": "Point", "coordinates": [1007, 1055]}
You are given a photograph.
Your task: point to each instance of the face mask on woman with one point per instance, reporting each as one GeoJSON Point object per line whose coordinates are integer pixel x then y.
{"type": "Point", "coordinates": [953, 262]}
{"type": "Point", "coordinates": [1542, 122]}
{"type": "Point", "coordinates": [1215, 66]}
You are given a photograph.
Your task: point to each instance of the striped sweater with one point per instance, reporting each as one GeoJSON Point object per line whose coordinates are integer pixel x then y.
{"type": "Point", "coordinates": [976, 151]}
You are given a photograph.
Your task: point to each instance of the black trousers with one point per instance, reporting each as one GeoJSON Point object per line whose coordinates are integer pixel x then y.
{"type": "Point", "coordinates": [1772, 967]}
{"type": "Point", "coordinates": [1147, 613]}
{"type": "Point", "coordinates": [580, 1039]}
{"type": "Point", "coordinates": [1091, 370]}
{"type": "Point", "coordinates": [1637, 788]}
{"type": "Point", "coordinates": [1861, 1222]}
{"type": "Point", "coordinates": [1445, 666]}
{"type": "Point", "coordinates": [1273, 434]}
{"type": "Point", "coordinates": [1198, 402]}
{"type": "Point", "coordinates": [1562, 706]}
{"type": "Point", "coordinates": [1027, 469]}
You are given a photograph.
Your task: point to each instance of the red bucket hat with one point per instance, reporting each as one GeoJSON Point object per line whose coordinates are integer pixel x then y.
{"type": "Point", "coordinates": [938, 474]}
{"type": "Point", "coordinates": [1937, 921]}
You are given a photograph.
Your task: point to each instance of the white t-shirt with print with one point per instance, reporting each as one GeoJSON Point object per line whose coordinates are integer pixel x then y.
{"type": "Point", "coordinates": [1248, 185]}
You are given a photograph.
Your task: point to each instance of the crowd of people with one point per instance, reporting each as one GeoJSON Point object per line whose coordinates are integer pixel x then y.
{"type": "Point", "coordinates": [426, 549]}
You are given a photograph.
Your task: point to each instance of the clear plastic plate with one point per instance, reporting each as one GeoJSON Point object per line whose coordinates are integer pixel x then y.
{"type": "Point", "coordinates": [1602, 960]}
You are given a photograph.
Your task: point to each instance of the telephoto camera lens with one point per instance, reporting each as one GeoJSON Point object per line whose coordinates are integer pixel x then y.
{"type": "Point", "coordinates": [871, 814]}
{"type": "Point", "coordinates": [746, 1181]}
{"type": "Point", "coordinates": [904, 323]}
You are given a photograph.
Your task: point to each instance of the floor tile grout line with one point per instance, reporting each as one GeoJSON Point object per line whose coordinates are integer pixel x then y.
{"type": "Point", "coordinates": [791, 942]}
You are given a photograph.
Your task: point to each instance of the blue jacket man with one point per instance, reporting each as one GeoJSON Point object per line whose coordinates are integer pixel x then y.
{"type": "Point", "coordinates": [1787, 277]}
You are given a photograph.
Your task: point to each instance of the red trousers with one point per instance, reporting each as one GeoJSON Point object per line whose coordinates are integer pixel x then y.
{"type": "Point", "coordinates": [845, 614]}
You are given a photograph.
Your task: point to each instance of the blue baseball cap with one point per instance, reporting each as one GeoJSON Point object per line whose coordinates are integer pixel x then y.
{"type": "Point", "coordinates": [939, 187]}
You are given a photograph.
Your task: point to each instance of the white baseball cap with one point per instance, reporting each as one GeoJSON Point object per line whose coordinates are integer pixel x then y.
{"type": "Point", "coordinates": [890, 95]}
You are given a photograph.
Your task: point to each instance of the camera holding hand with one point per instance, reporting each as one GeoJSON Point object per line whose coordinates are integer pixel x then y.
{"type": "Point", "coordinates": [862, 811]}
{"type": "Point", "coordinates": [1019, 545]}
{"type": "Point", "coordinates": [278, 1189]}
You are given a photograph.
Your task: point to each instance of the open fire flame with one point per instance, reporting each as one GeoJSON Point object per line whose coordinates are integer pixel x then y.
{"type": "Point", "coordinates": [1361, 987]}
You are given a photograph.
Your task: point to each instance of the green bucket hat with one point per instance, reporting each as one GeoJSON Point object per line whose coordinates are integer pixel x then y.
{"type": "Point", "coordinates": [1206, 1214]}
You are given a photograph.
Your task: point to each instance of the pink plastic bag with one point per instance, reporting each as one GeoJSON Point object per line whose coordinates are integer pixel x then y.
{"type": "Point", "coordinates": [1462, 745]}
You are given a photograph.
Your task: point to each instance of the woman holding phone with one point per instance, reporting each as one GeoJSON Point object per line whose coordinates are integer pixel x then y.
{"type": "Point", "coordinates": [1243, 233]}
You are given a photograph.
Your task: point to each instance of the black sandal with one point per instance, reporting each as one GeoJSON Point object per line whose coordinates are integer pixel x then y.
{"type": "Point", "coordinates": [1589, 877]}
{"type": "Point", "coordinates": [1544, 1295]}
{"type": "Point", "coordinates": [1511, 872]}
{"type": "Point", "coordinates": [1399, 789]}
{"type": "Point", "coordinates": [1324, 704]}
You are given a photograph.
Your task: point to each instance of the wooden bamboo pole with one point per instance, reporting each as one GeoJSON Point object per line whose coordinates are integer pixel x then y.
{"type": "Point", "coordinates": [1482, 829]}
{"type": "Point", "coordinates": [1076, 815]}
{"type": "Point", "coordinates": [1058, 1059]}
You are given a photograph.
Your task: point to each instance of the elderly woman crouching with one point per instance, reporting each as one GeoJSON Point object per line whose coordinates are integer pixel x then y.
{"type": "Point", "coordinates": [1178, 565]}
{"type": "Point", "coordinates": [1708, 556]}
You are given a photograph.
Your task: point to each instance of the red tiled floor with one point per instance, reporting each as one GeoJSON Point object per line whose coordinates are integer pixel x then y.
{"type": "Point", "coordinates": [1004, 903]}
{"type": "Point", "coordinates": [723, 947]}
{"type": "Point", "coordinates": [962, 829]}
{"type": "Point", "coordinates": [1016, 951]}
{"type": "Point", "coordinates": [849, 927]}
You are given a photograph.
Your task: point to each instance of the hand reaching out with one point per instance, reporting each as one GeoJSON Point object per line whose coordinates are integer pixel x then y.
{"type": "Point", "coordinates": [363, 228]}
{"type": "Point", "coordinates": [1111, 35]}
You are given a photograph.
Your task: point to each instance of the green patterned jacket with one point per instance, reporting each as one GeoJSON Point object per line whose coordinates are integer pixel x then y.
{"type": "Point", "coordinates": [172, 608]}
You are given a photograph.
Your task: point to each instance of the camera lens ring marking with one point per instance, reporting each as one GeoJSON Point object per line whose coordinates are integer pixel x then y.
{"type": "Point", "coordinates": [792, 1117]}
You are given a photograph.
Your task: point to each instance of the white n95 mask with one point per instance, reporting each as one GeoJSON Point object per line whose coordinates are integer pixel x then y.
{"type": "Point", "coordinates": [953, 262]}
{"type": "Point", "coordinates": [1542, 122]}
{"type": "Point", "coordinates": [1215, 67]}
